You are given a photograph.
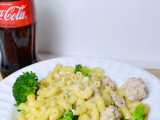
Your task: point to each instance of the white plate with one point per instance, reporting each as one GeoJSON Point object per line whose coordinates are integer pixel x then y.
{"type": "Point", "coordinates": [117, 71]}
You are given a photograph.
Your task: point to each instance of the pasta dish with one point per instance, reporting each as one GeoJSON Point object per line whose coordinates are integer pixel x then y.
{"type": "Point", "coordinates": [83, 93]}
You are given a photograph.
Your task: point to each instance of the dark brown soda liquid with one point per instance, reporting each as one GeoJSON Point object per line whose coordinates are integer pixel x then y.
{"type": "Point", "coordinates": [17, 47]}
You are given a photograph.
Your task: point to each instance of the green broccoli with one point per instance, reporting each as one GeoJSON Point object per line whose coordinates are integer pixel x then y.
{"type": "Point", "coordinates": [25, 84]}
{"type": "Point", "coordinates": [68, 115]}
{"type": "Point", "coordinates": [86, 71]}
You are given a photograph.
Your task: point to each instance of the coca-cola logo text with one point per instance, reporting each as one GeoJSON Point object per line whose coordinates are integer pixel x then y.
{"type": "Point", "coordinates": [13, 13]}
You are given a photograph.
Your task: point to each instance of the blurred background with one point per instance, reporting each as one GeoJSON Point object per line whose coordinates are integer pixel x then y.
{"type": "Point", "coordinates": [120, 29]}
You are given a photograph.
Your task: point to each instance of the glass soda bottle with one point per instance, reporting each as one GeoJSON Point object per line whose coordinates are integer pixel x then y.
{"type": "Point", "coordinates": [17, 35]}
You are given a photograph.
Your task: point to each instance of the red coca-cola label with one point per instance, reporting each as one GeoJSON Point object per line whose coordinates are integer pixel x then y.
{"type": "Point", "coordinates": [16, 14]}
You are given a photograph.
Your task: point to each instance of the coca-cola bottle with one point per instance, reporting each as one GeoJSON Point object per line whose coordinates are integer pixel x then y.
{"type": "Point", "coordinates": [17, 35]}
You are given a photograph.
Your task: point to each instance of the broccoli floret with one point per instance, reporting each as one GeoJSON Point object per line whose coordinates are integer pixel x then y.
{"type": "Point", "coordinates": [86, 71]}
{"type": "Point", "coordinates": [25, 84]}
{"type": "Point", "coordinates": [68, 115]}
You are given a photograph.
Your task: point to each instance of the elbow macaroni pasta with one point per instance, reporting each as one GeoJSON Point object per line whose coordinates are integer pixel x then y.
{"type": "Point", "coordinates": [62, 88]}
